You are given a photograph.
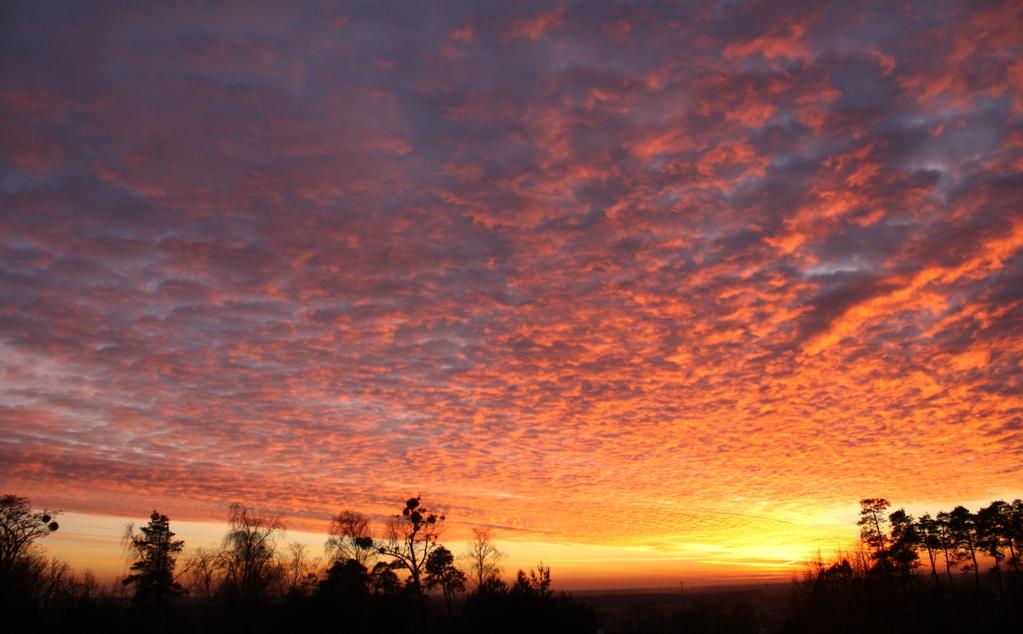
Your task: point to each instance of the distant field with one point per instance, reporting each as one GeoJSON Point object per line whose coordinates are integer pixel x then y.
{"type": "Point", "coordinates": [769, 600]}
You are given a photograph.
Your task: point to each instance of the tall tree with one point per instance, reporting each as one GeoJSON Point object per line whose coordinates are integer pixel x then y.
{"type": "Point", "coordinates": [411, 537]}
{"type": "Point", "coordinates": [482, 557]}
{"type": "Point", "coordinates": [251, 567]}
{"type": "Point", "coordinates": [20, 527]}
{"type": "Point", "coordinates": [991, 530]}
{"type": "Point", "coordinates": [350, 538]}
{"type": "Point", "coordinates": [873, 525]}
{"type": "Point", "coordinates": [965, 533]}
{"type": "Point", "coordinates": [994, 526]}
{"type": "Point", "coordinates": [442, 573]}
{"type": "Point", "coordinates": [1014, 532]}
{"type": "Point", "coordinates": [947, 541]}
{"type": "Point", "coordinates": [927, 527]}
{"type": "Point", "coordinates": [154, 552]}
{"type": "Point", "coordinates": [905, 539]}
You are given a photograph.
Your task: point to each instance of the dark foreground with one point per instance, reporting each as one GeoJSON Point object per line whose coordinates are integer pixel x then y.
{"type": "Point", "coordinates": [831, 599]}
{"type": "Point", "coordinates": [245, 586]}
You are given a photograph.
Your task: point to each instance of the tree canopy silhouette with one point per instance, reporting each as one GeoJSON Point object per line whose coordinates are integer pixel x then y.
{"type": "Point", "coordinates": [873, 525]}
{"type": "Point", "coordinates": [154, 551]}
{"type": "Point", "coordinates": [411, 537]}
{"type": "Point", "coordinates": [483, 557]}
{"type": "Point", "coordinates": [442, 573]}
{"type": "Point", "coordinates": [249, 559]}
{"type": "Point", "coordinates": [350, 538]}
{"type": "Point", "coordinates": [20, 527]}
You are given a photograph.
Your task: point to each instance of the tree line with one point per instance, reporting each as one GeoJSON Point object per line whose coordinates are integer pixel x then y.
{"type": "Point", "coordinates": [950, 539]}
{"type": "Point", "coordinates": [954, 571]}
{"type": "Point", "coordinates": [403, 580]}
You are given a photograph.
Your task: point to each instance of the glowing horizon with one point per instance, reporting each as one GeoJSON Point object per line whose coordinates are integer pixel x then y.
{"type": "Point", "coordinates": [660, 292]}
{"type": "Point", "coordinates": [93, 542]}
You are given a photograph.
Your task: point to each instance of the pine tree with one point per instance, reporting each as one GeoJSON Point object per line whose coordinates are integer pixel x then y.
{"type": "Point", "coordinates": [965, 531]}
{"type": "Point", "coordinates": [873, 525]}
{"type": "Point", "coordinates": [155, 555]}
{"type": "Point", "coordinates": [905, 539]}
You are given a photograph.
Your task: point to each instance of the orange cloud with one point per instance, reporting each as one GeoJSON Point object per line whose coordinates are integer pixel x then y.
{"type": "Point", "coordinates": [713, 273]}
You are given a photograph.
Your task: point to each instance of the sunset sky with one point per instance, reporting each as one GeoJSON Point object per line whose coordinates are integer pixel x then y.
{"type": "Point", "coordinates": [657, 293]}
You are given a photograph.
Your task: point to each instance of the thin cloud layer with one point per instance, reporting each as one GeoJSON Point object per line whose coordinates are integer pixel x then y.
{"type": "Point", "coordinates": [612, 275]}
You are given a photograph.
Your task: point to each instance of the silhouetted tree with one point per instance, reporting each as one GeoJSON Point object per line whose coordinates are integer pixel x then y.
{"type": "Point", "coordinates": [483, 558]}
{"type": "Point", "coordinates": [930, 539]}
{"type": "Point", "coordinates": [905, 539]}
{"type": "Point", "coordinates": [536, 583]}
{"type": "Point", "coordinates": [346, 578]}
{"type": "Point", "coordinates": [965, 532]}
{"type": "Point", "coordinates": [873, 523]}
{"type": "Point", "coordinates": [442, 573]}
{"type": "Point", "coordinates": [410, 539]}
{"type": "Point", "coordinates": [249, 561]}
{"type": "Point", "coordinates": [202, 570]}
{"type": "Point", "coordinates": [42, 586]}
{"type": "Point", "coordinates": [20, 527]}
{"type": "Point", "coordinates": [947, 541]}
{"type": "Point", "coordinates": [840, 598]}
{"type": "Point", "coordinates": [299, 571]}
{"type": "Point", "coordinates": [154, 552]}
{"type": "Point", "coordinates": [991, 533]}
{"type": "Point", "coordinates": [1014, 533]}
{"type": "Point", "coordinates": [382, 580]}
{"type": "Point", "coordinates": [350, 538]}
{"type": "Point", "coordinates": [529, 605]}
{"type": "Point", "coordinates": [344, 594]}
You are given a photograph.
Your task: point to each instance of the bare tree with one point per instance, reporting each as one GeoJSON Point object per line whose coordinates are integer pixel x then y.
{"type": "Point", "coordinates": [249, 560]}
{"type": "Point", "coordinates": [350, 538]}
{"type": "Point", "coordinates": [202, 572]}
{"type": "Point", "coordinates": [20, 527]}
{"type": "Point", "coordinates": [482, 557]}
{"type": "Point", "coordinates": [53, 580]}
{"type": "Point", "coordinates": [411, 537]}
{"type": "Point", "coordinates": [88, 587]}
{"type": "Point", "coordinates": [300, 571]}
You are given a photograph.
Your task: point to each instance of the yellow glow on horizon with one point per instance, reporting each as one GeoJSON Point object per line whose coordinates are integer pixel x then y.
{"type": "Point", "coordinates": [93, 542]}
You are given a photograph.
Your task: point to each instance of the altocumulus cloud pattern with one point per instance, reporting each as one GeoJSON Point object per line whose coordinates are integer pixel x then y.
{"type": "Point", "coordinates": [698, 268]}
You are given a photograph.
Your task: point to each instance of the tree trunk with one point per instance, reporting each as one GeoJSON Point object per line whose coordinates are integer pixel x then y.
{"type": "Point", "coordinates": [948, 569]}
{"type": "Point", "coordinates": [976, 568]}
{"type": "Point", "coordinates": [880, 536]}
{"type": "Point", "coordinates": [934, 569]}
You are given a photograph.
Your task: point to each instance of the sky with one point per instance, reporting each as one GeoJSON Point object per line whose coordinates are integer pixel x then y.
{"type": "Point", "coordinates": [655, 291]}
